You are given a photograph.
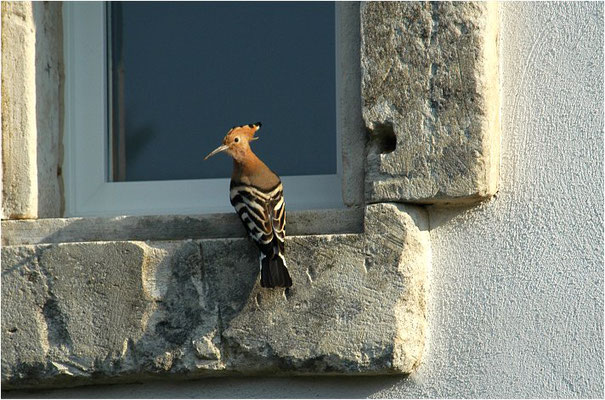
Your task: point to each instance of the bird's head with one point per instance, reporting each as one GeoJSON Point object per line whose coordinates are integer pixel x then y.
{"type": "Point", "coordinates": [236, 141]}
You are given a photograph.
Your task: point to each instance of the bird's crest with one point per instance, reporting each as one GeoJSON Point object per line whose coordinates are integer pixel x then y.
{"type": "Point", "coordinates": [249, 129]}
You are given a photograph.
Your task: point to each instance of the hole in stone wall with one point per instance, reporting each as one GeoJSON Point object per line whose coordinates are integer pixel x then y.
{"type": "Point", "coordinates": [382, 138]}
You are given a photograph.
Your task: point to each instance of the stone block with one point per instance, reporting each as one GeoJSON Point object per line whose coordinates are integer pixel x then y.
{"type": "Point", "coordinates": [430, 100]}
{"type": "Point", "coordinates": [19, 165]}
{"type": "Point", "coordinates": [170, 227]}
{"type": "Point", "coordinates": [348, 83]}
{"type": "Point", "coordinates": [96, 312]}
{"type": "Point", "coordinates": [32, 110]}
{"type": "Point", "coordinates": [50, 77]}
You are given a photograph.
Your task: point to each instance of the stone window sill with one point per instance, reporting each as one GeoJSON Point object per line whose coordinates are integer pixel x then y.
{"type": "Point", "coordinates": [170, 227]}
{"type": "Point", "coordinates": [123, 299]}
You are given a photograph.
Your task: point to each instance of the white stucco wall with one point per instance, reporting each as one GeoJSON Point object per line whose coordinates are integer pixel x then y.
{"type": "Point", "coordinates": [516, 305]}
{"type": "Point", "coordinates": [518, 282]}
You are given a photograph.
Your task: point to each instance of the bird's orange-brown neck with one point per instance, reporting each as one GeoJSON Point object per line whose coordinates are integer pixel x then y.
{"type": "Point", "coordinates": [249, 169]}
{"type": "Point", "coordinates": [246, 163]}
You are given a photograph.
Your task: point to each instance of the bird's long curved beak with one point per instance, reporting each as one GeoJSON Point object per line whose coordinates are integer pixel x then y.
{"type": "Point", "coordinates": [217, 150]}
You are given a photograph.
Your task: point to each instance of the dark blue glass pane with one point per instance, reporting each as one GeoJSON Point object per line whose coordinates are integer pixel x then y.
{"type": "Point", "coordinates": [185, 73]}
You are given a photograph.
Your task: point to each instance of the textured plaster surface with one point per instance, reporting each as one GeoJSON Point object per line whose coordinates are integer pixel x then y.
{"type": "Point", "coordinates": [92, 312]}
{"type": "Point", "coordinates": [430, 99]}
{"type": "Point", "coordinates": [516, 298]}
{"type": "Point", "coordinates": [516, 302]}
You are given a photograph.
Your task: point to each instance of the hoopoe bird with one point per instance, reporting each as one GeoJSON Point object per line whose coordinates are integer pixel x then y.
{"type": "Point", "coordinates": [256, 193]}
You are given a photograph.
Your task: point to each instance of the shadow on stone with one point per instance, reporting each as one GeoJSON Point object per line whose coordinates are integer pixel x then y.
{"type": "Point", "coordinates": [331, 387]}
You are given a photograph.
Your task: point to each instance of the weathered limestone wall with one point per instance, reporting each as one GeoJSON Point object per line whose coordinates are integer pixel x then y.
{"type": "Point", "coordinates": [170, 227]}
{"type": "Point", "coordinates": [86, 312]}
{"type": "Point", "coordinates": [430, 99]}
{"type": "Point", "coordinates": [515, 308]}
{"type": "Point", "coordinates": [49, 107]}
{"type": "Point", "coordinates": [114, 300]}
{"type": "Point", "coordinates": [32, 110]}
{"type": "Point", "coordinates": [348, 87]}
{"type": "Point", "coordinates": [19, 168]}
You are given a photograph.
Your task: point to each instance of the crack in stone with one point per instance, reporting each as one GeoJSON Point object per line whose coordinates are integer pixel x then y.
{"type": "Point", "coordinates": [434, 22]}
{"type": "Point", "coordinates": [309, 276]}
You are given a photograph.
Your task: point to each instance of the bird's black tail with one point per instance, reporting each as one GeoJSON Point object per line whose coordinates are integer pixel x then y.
{"type": "Point", "coordinates": [274, 273]}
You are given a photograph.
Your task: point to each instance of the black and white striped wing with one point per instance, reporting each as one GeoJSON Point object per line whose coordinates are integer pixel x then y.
{"type": "Point", "coordinates": [263, 214]}
{"type": "Point", "coordinates": [278, 218]}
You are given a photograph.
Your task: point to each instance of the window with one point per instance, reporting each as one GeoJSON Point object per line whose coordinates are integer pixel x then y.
{"type": "Point", "coordinates": [153, 87]}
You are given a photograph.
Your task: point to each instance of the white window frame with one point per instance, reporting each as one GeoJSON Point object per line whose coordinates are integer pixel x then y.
{"type": "Point", "coordinates": [85, 165]}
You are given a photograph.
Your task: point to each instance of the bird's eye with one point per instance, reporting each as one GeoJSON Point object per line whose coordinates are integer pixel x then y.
{"type": "Point", "coordinates": [236, 140]}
